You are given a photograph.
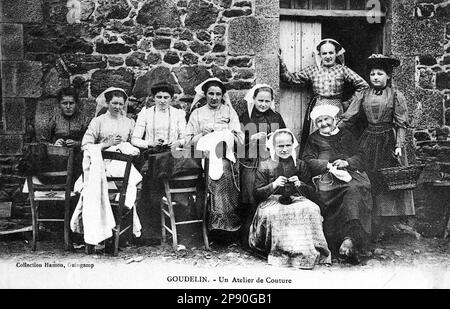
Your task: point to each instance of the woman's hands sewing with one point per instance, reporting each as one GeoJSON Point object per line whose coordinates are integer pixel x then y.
{"type": "Point", "coordinates": [112, 140]}
{"type": "Point", "coordinates": [340, 164]}
{"type": "Point", "coordinates": [279, 182]}
{"type": "Point", "coordinates": [296, 181]}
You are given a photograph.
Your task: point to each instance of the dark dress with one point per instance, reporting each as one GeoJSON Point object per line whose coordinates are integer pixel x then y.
{"type": "Point", "coordinates": [386, 115]}
{"type": "Point", "coordinates": [62, 127]}
{"type": "Point", "coordinates": [289, 233]}
{"type": "Point", "coordinates": [255, 152]}
{"type": "Point", "coordinates": [346, 206]}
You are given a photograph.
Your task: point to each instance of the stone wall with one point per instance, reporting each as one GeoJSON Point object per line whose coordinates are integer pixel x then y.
{"type": "Point", "coordinates": [420, 33]}
{"type": "Point", "coordinates": [126, 43]}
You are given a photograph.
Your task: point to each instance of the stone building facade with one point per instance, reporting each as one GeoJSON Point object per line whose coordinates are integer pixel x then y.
{"type": "Point", "coordinates": [47, 44]}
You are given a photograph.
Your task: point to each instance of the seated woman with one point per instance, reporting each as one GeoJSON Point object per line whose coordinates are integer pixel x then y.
{"type": "Point", "coordinates": [110, 131]}
{"type": "Point", "coordinates": [287, 225]}
{"type": "Point", "coordinates": [344, 188]}
{"type": "Point", "coordinates": [209, 125]}
{"type": "Point", "coordinates": [257, 124]}
{"type": "Point", "coordinates": [158, 129]}
{"type": "Point", "coordinates": [160, 124]}
{"type": "Point", "coordinates": [65, 128]}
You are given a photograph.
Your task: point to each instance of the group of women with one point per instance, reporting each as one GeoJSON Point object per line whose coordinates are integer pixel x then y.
{"type": "Point", "coordinates": [297, 208]}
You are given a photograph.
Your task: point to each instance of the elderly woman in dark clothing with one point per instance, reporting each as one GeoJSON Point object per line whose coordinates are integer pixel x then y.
{"type": "Point", "coordinates": [287, 225]}
{"type": "Point", "coordinates": [336, 162]}
{"type": "Point", "coordinates": [257, 123]}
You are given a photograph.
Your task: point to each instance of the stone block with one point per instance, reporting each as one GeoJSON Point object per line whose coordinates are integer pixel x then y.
{"type": "Point", "coordinates": [430, 109]}
{"type": "Point", "coordinates": [201, 15]}
{"type": "Point", "coordinates": [21, 11]}
{"type": "Point", "coordinates": [53, 80]}
{"type": "Point", "coordinates": [237, 100]}
{"type": "Point", "coordinates": [426, 79]}
{"type": "Point", "coordinates": [112, 9]}
{"type": "Point", "coordinates": [14, 115]}
{"type": "Point", "coordinates": [404, 78]}
{"type": "Point", "coordinates": [80, 64]}
{"type": "Point", "coordinates": [250, 35]}
{"type": "Point", "coordinates": [267, 72]}
{"type": "Point", "coordinates": [113, 48]}
{"type": "Point", "coordinates": [190, 76]}
{"type": "Point", "coordinates": [171, 57]}
{"type": "Point", "coordinates": [243, 62]}
{"type": "Point", "coordinates": [189, 59]}
{"type": "Point", "coordinates": [267, 8]}
{"type": "Point", "coordinates": [199, 48]}
{"type": "Point", "coordinates": [162, 43]}
{"type": "Point", "coordinates": [11, 144]}
{"type": "Point", "coordinates": [159, 13]}
{"type": "Point", "coordinates": [103, 78]}
{"type": "Point", "coordinates": [411, 36]}
{"type": "Point", "coordinates": [236, 12]}
{"type": "Point", "coordinates": [22, 79]}
{"type": "Point", "coordinates": [136, 59]}
{"type": "Point", "coordinates": [443, 80]}
{"type": "Point", "coordinates": [156, 75]}
{"type": "Point", "coordinates": [11, 41]}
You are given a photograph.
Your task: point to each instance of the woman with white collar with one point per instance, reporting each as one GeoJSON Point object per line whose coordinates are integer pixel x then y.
{"type": "Point", "coordinates": [344, 188]}
{"type": "Point", "coordinates": [161, 124]}
{"type": "Point", "coordinates": [287, 225]}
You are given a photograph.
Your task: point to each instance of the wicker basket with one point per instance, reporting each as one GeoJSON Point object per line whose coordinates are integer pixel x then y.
{"type": "Point", "coordinates": [401, 177]}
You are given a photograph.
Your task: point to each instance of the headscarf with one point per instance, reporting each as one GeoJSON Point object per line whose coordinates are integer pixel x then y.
{"type": "Point", "coordinates": [339, 54]}
{"type": "Point", "coordinates": [200, 94]}
{"type": "Point", "coordinates": [101, 100]}
{"type": "Point", "coordinates": [324, 110]}
{"type": "Point", "coordinates": [251, 101]}
{"type": "Point", "coordinates": [271, 144]}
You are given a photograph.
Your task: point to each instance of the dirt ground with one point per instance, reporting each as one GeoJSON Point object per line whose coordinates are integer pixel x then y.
{"type": "Point", "coordinates": [401, 261]}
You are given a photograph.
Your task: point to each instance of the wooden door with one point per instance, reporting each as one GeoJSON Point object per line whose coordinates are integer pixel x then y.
{"type": "Point", "coordinates": [298, 40]}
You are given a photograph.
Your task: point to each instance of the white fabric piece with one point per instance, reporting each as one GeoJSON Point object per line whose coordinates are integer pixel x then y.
{"type": "Point", "coordinates": [199, 94]}
{"type": "Point", "coordinates": [125, 148]}
{"type": "Point", "coordinates": [324, 110]}
{"type": "Point", "coordinates": [209, 143]}
{"type": "Point", "coordinates": [36, 181]}
{"type": "Point", "coordinates": [340, 174]}
{"type": "Point", "coordinates": [271, 146]}
{"type": "Point", "coordinates": [93, 215]}
{"type": "Point", "coordinates": [251, 101]}
{"type": "Point", "coordinates": [101, 100]}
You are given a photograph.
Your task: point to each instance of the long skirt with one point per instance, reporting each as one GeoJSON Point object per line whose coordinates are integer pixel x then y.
{"type": "Point", "coordinates": [291, 234]}
{"type": "Point", "coordinates": [347, 208]}
{"type": "Point", "coordinates": [223, 211]}
{"type": "Point", "coordinates": [378, 143]}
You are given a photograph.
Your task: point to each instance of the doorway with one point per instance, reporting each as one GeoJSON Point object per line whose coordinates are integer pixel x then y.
{"type": "Point", "coordinates": [298, 38]}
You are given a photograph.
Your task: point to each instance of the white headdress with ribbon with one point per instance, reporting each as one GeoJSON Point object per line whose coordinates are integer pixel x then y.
{"type": "Point", "coordinates": [101, 100]}
{"type": "Point", "coordinates": [199, 94]}
{"type": "Point", "coordinates": [249, 98]}
{"type": "Point", "coordinates": [339, 54]}
{"type": "Point", "coordinates": [271, 144]}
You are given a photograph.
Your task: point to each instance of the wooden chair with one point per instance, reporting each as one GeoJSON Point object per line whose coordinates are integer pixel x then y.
{"type": "Point", "coordinates": [121, 213]}
{"type": "Point", "coordinates": [61, 189]}
{"type": "Point", "coordinates": [191, 186]}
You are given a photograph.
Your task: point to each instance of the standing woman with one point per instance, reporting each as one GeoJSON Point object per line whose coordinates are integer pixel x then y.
{"type": "Point", "coordinates": [327, 79]}
{"type": "Point", "coordinates": [205, 128]}
{"type": "Point", "coordinates": [383, 140]}
{"type": "Point", "coordinates": [260, 120]}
